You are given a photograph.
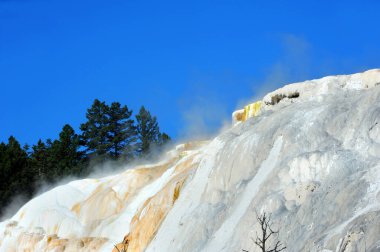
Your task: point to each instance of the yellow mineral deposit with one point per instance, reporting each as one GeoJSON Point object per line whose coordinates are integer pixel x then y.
{"type": "Point", "coordinates": [252, 110]}
{"type": "Point", "coordinates": [149, 217]}
{"type": "Point", "coordinates": [108, 202]}
{"type": "Point", "coordinates": [249, 111]}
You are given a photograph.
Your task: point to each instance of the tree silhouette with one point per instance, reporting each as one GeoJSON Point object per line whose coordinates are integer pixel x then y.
{"type": "Point", "coordinates": [267, 232]}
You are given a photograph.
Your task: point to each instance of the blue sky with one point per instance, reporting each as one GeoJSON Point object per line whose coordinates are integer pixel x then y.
{"type": "Point", "coordinates": [191, 63]}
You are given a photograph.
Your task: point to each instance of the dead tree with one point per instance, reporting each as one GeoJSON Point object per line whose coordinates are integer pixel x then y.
{"type": "Point", "coordinates": [267, 232]}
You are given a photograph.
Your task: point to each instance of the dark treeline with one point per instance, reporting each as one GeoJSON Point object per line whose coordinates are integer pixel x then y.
{"type": "Point", "coordinates": [110, 133]}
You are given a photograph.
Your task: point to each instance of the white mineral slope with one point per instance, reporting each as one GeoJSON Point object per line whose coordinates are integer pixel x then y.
{"type": "Point", "coordinates": [312, 163]}
{"type": "Point", "coordinates": [311, 159]}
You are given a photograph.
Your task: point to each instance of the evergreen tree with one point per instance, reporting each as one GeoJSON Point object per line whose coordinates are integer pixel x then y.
{"type": "Point", "coordinates": [39, 159]}
{"type": "Point", "coordinates": [55, 159]}
{"type": "Point", "coordinates": [109, 131]}
{"type": "Point", "coordinates": [66, 159]}
{"type": "Point", "coordinates": [16, 176]}
{"type": "Point", "coordinates": [147, 129]}
{"type": "Point", "coordinates": [122, 132]}
{"type": "Point", "coordinates": [95, 130]}
{"type": "Point", "coordinates": [163, 138]}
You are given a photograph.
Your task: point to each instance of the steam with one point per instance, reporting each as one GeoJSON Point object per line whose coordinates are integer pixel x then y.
{"type": "Point", "coordinates": [110, 168]}
{"type": "Point", "coordinates": [295, 64]}
{"type": "Point", "coordinates": [205, 114]}
{"type": "Point", "coordinates": [203, 117]}
{"type": "Point", "coordinates": [16, 203]}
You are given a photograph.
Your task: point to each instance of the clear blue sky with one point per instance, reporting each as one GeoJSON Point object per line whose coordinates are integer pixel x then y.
{"type": "Point", "coordinates": [191, 63]}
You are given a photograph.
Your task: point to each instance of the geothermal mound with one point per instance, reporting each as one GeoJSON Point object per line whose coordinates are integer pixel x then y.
{"type": "Point", "coordinates": [307, 154]}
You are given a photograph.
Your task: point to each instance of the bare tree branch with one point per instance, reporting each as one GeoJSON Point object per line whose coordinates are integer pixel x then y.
{"type": "Point", "coordinates": [267, 232]}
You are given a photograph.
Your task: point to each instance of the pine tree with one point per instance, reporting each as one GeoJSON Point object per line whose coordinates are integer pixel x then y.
{"type": "Point", "coordinates": [109, 131]}
{"type": "Point", "coordinates": [16, 176]}
{"type": "Point", "coordinates": [95, 130]}
{"type": "Point", "coordinates": [148, 130]}
{"type": "Point", "coordinates": [163, 139]}
{"type": "Point", "coordinates": [39, 159]}
{"type": "Point", "coordinates": [53, 160]}
{"type": "Point", "coordinates": [65, 156]}
{"type": "Point", "coordinates": [121, 130]}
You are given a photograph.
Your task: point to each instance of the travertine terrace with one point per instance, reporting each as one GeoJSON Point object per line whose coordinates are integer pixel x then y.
{"type": "Point", "coordinates": [307, 153]}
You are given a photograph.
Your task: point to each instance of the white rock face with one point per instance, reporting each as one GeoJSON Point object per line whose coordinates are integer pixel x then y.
{"type": "Point", "coordinates": [311, 159]}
